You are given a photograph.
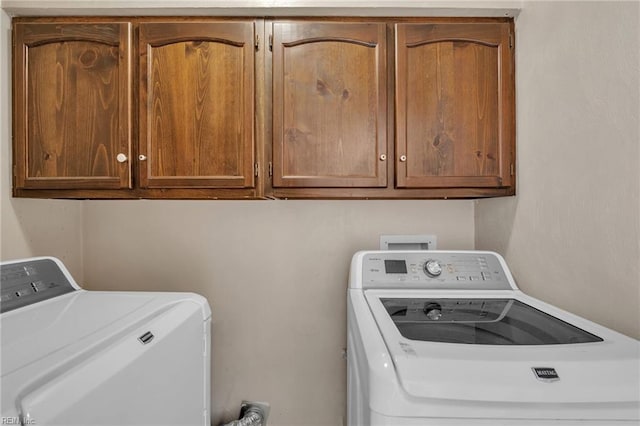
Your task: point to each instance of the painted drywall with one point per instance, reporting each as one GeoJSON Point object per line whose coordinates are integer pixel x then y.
{"type": "Point", "coordinates": [572, 234]}
{"type": "Point", "coordinates": [31, 227]}
{"type": "Point", "coordinates": [275, 274]}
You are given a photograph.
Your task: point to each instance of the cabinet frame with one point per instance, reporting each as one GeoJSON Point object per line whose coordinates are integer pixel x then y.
{"type": "Point", "coordinates": [263, 125]}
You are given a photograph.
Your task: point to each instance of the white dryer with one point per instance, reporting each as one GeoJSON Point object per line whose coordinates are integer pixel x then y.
{"type": "Point", "coordinates": [77, 357]}
{"type": "Point", "coordinates": [446, 338]}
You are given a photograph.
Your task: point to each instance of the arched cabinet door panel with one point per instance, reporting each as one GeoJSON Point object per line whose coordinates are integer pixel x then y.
{"type": "Point", "coordinates": [197, 104]}
{"type": "Point", "coordinates": [72, 121]}
{"type": "Point", "coordinates": [454, 105]}
{"type": "Point", "coordinates": [329, 104]}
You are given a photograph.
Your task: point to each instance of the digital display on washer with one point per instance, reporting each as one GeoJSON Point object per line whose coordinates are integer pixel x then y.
{"type": "Point", "coordinates": [480, 321]}
{"type": "Point", "coordinates": [392, 266]}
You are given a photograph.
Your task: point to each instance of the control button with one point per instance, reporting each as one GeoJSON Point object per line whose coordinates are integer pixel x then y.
{"type": "Point", "coordinates": [475, 278]}
{"type": "Point", "coordinates": [461, 278]}
{"type": "Point", "coordinates": [38, 286]}
{"type": "Point", "coordinates": [486, 275]}
{"type": "Point", "coordinates": [432, 268]}
{"type": "Point", "coordinates": [21, 293]}
{"type": "Point", "coordinates": [415, 278]}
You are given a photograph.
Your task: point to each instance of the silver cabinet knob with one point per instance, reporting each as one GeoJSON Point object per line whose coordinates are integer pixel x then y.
{"type": "Point", "coordinates": [121, 157]}
{"type": "Point", "coordinates": [403, 158]}
{"type": "Point", "coordinates": [142, 157]}
{"type": "Point", "coordinates": [383, 157]}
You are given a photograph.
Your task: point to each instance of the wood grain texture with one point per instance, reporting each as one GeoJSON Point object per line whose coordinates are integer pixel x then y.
{"type": "Point", "coordinates": [329, 104]}
{"type": "Point", "coordinates": [339, 172]}
{"type": "Point", "coordinates": [71, 105]}
{"type": "Point", "coordinates": [453, 91]}
{"type": "Point", "coordinates": [197, 104]}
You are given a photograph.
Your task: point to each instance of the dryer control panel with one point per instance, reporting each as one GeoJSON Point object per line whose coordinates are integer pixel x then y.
{"type": "Point", "coordinates": [434, 270]}
{"type": "Point", "coordinates": [31, 281]}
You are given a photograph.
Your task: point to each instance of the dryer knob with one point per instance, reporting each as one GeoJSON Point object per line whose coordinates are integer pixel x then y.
{"type": "Point", "coordinates": [432, 268]}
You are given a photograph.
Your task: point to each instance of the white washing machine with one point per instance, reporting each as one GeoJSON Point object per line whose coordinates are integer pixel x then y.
{"type": "Point", "coordinates": [76, 357]}
{"type": "Point", "coordinates": [446, 338]}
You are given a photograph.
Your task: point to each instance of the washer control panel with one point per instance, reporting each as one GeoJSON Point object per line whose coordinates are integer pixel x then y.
{"type": "Point", "coordinates": [31, 281]}
{"type": "Point", "coordinates": [434, 270]}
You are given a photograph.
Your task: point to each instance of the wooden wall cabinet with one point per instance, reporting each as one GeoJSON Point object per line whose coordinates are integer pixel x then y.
{"type": "Point", "coordinates": [72, 121]}
{"type": "Point", "coordinates": [329, 104]}
{"type": "Point", "coordinates": [454, 105]}
{"type": "Point", "coordinates": [187, 99]}
{"type": "Point", "coordinates": [438, 123]}
{"type": "Point", "coordinates": [196, 105]}
{"type": "Point", "coordinates": [253, 108]}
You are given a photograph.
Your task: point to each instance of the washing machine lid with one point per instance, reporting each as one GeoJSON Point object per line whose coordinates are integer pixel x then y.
{"type": "Point", "coordinates": [43, 310]}
{"type": "Point", "coordinates": [485, 321]}
{"type": "Point", "coordinates": [38, 331]}
{"type": "Point", "coordinates": [502, 346]}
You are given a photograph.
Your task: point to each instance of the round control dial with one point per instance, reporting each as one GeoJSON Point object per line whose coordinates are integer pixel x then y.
{"type": "Point", "coordinates": [432, 268]}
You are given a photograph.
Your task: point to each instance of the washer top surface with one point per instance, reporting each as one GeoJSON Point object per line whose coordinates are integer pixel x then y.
{"type": "Point", "coordinates": [502, 356]}
{"type": "Point", "coordinates": [38, 331]}
{"type": "Point", "coordinates": [45, 324]}
{"type": "Point", "coordinates": [457, 327]}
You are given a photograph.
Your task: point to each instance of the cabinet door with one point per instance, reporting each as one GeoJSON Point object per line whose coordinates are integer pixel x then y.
{"type": "Point", "coordinates": [71, 105]}
{"type": "Point", "coordinates": [329, 104]}
{"type": "Point", "coordinates": [454, 105]}
{"type": "Point", "coordinates": [197, 104]}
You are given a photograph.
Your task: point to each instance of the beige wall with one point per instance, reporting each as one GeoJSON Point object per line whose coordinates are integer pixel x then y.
{"type": "Point", "coordinates": [275, 274]}
{"type": "Point", "coordinates": [572, 236]}
{"type": "Point", "coordinates": [31, 227]}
